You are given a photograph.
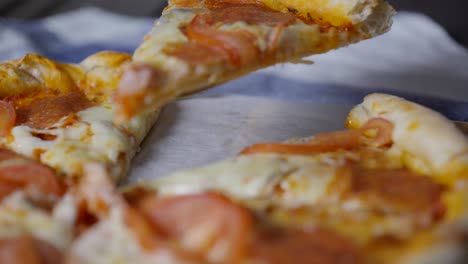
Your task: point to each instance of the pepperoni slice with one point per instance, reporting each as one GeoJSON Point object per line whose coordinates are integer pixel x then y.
{"type": "Point", "coordinates": [151, 240]}
{"type": "Point", "coordinates": [7, 118]}
{"type": "Point", "coordinates": [21, 173]}
{"type": "Point", "coordinates": [141, 229]}
{"type": "Point", "coordinates": [295, 246]}
{"type": "Point", "coordinates": [7, 188]}
{"type": "Point", "coordinates": [32, 176]}
{"type": "Point", "coordinates": [321, 143]}
{"type": "Point", "coordinates": [280, 148]}
{"type": "Point", "coordinates": [397, 189]}
{"type": "Point", "coordinates": [194, 53]}
{"type": "Point", "coordinates": [251, 14]}
{"type": "Point", "coordinates": [333, 141]}
{"type": "Point", "coordinates": [45, 112]}
{"type": "Point", "coordinates": [336, 140]}
{"type": "Point", "coordinates": [237, 46]}
{"type": "Point", "coordinates": [6, 154]}
{"type": "Point", "coordinates": [27, 250]}
{"type": "Point", "coordinates": [134, 88]}
{"type": "Point", "coordinates": [208, 224]}
{"type": "Point", "coordinates": [49, 254]}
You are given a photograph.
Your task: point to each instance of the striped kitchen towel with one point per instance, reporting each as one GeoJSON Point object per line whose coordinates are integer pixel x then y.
{"type": "Point", "coordinates": [417, 60]}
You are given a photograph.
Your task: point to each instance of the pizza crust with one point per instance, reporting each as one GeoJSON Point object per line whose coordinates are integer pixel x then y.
{"type": "Point", "coordinates": [425, 140]}
{"type": "Point", "coordinates": [14, 80]}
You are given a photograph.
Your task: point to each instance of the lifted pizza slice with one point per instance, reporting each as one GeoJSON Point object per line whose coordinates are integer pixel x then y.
{"type": "Point", "coordinates": [197, 44]}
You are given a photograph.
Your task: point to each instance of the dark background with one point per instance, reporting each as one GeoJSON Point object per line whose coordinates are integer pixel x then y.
{"type": "Point", "coordinates": [452, 14]}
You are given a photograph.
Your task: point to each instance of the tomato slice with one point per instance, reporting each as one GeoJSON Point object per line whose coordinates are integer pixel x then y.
{"type": "Point", "coordinates": [27, 250]}
{"type": "Point", "coordinates": [297, 246]}
{"type": "Point", "coordinates": [207, 224]}
{"type": "Point", "coordinates": [7, 118]}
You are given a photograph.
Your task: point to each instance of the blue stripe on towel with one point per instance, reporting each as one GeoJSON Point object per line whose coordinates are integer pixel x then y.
{"type": "Point", "coordinates": [275, 87]}
{"type": "Point", "coordinates": [44, 41]}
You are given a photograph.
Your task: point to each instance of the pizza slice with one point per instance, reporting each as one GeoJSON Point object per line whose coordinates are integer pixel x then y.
{"type": "Point", "coordinates": [62, 114]}
{"type": "Point", "coordinates": [392, 189]}
{"type": "Point", "coordinates": [55, 120]}
{"type": "Point", "coordinates": [197, 44]}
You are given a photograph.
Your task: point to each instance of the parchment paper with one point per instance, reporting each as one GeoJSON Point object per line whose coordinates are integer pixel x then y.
{"type": "Point", "coordinates": [198, 131]}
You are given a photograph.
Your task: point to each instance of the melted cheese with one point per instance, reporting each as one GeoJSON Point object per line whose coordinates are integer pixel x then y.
{"type": "Point", "coordinates": [285, 180]}
{"type": "Point", "coordinates": [165, 31]}
{"type": "Point", "coordinates": [19, 217]}
{"type": "Point", "coordinates": [262, 31]}
{"type": "Point", "coordinates": [94, 138]}
{"type": "Point", "coordinates": [110, 241]}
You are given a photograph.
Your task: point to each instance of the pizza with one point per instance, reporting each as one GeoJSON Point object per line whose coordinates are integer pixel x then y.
{"type": "Point", "coordinates": [197, 44]}
{"type": "Point", "coordinates": [62, 114]}
{"type": "Point", "coordinates": [390, 189]}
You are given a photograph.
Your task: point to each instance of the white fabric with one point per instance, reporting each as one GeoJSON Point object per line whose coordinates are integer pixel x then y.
{"type": "Point", "coordinates": [416, 55]}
